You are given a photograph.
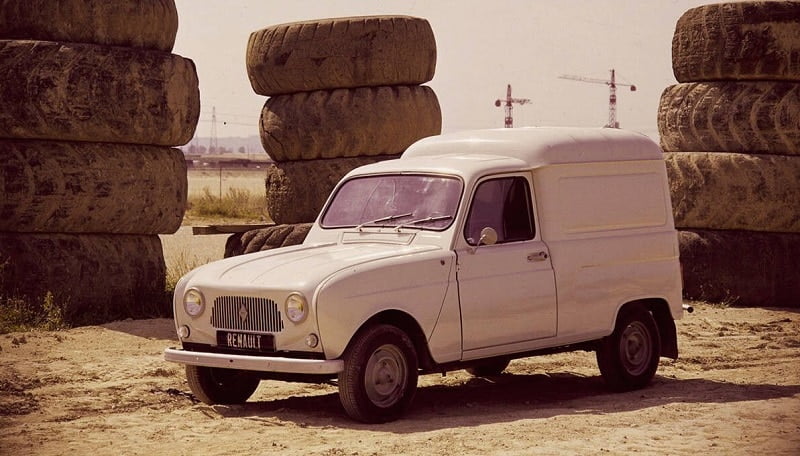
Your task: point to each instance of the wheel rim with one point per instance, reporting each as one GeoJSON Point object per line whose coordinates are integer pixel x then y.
{"type": "Point", "coordinates": [385, 376]}
{"type": "Point", "coordinates": [635, 348]}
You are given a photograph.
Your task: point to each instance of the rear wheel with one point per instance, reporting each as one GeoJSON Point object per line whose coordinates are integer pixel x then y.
{"type": "Point", "coordinates": [221, 386]}
{"type": "Point", "coordinates": [380, 375]}
{"type": "Point", "coordinates": [489, 368]}
{"type": "Point", "coordinates": [628, 358]}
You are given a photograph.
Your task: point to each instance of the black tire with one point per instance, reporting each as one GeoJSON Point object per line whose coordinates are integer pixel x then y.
{"type": "Point", "coordinates": [80, 187]}
{"type": "Point", "coordinates": [754, 40]}
{"type": "Point", "coordinates": [297, 190]}
{"type": "Point", "coordinates": [723, 191]}
{"type": "Point", "coordinates": [628, 358]}
{"type": "Point", "coordinates": [213, 385]}
{"type": "Point", "coordinates": [745, 117]}
{"type": "Point", "coordinates": [269, 238]}
{"type": "Point", "coordinates": [86, 92]}
{"type": "Point", "coordinates": [369, 121]}
{"type": "Point", "coordinates": [341, 53]}
{"type": "Point", "coordinates": [380, 375]}
{"type": "Point", "coordinates": [742, 268]}
{"type": "Point", "coordinates": [98, 277]}
{"type": "Point", "coordinates": [489, 368]}
{"type": "Point", "coordinates": [145, 24]}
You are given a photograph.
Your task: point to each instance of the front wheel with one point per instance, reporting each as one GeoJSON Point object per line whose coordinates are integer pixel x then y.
{"type": "Point", "coordinates": [380, 375]}
{"type": "Point", "coordinates": [213, 385]}
{"type": "Point", "coordinates": [628, 358]}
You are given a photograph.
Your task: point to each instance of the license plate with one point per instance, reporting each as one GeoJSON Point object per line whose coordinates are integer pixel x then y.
{"type": "Point", "coordinates": [246, 341]}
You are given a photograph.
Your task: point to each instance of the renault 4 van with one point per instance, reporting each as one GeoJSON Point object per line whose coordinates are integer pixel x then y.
{"type": "Point", "coordinates": [470, 250]}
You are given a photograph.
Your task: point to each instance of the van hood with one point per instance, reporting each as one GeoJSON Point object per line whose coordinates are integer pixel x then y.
{"type": "Point", "coordinates": [296, 268]}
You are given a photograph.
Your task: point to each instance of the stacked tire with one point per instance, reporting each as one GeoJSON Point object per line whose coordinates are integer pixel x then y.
{"type": "Point", "coordinates": [93, 103]}
{"type": "Point", "coordinates": [730, 130]}
{"type": "Point", "coordinates": [343, 92]}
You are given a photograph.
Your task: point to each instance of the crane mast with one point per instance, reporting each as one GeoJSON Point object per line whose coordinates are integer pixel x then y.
{"type": "Point", "coordinates": [509, 108]}
{"type": "Point", "coordinates": [612, 95]}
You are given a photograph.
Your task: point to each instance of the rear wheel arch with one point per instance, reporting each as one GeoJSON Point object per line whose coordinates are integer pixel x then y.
{"type": "Point", "coordinates": [659, 308]}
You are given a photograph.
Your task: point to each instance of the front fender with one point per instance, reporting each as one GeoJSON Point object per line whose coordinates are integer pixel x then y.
{"type": "Point", "coordinates": [415, 284]}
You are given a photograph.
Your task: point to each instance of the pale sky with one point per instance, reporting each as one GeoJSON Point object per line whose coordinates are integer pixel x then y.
{"type": "Point", "coordinates": [482, 46]}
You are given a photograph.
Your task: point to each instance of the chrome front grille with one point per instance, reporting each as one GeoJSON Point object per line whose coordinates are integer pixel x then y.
{"type": "Point", "coordinates": [245, 313]}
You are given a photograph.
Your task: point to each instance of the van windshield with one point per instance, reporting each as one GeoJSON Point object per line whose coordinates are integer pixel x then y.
{"type": "Point", "coordinates": [395, 200]}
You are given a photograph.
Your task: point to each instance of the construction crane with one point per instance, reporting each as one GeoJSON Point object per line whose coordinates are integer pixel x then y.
{"type": "Point", "coordinates": [213, 142]}
{"type": "Point", "coordinates": [509, 106]}
{"type": "Point", "coordinates": [612, 96]}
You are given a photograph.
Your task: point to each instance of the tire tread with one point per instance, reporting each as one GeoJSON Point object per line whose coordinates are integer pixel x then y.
{"type": "Point", "coordinates": [338, 53]}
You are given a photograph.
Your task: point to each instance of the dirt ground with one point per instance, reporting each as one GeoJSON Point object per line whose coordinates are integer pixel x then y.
{"type": "Point", "coordinates": [106, 390]}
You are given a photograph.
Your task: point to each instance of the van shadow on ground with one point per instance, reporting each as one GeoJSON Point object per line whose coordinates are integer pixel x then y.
{"type": "Point", "coordinates": [511, 397]}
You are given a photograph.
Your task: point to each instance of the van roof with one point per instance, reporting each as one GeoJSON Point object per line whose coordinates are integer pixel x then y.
{"type": "Point", "coordinates": [537, 146]}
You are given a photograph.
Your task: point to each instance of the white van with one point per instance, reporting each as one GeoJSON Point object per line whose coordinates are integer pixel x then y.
{"type": "Point", "coordinates": [471, 250]}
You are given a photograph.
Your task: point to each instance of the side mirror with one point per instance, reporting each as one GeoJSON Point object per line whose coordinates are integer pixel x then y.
{"type": "Point", "coordinates": [488, 237]}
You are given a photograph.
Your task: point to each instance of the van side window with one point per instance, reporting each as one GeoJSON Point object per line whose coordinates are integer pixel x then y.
{"type": "Point", "coordinates": [505, 205]}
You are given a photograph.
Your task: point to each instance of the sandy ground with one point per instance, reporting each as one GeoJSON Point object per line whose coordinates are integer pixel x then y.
{"type": "Point", "coordinates": [106, 390]}
{"type": "Point", "coordinates": [183, 250]}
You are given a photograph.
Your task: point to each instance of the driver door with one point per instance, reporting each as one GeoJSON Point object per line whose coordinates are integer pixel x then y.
{"type": "Point", "coordinates": [506, 290]}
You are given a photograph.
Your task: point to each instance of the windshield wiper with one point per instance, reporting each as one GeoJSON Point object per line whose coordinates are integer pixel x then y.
{"type": "Point", "coordinates": [429, 219]}
{"type": "Point", "coordinates": [384, 219]}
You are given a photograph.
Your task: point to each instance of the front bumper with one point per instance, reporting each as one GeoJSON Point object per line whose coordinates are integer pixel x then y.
{"type": "Point", "coordinates": [255, 363]}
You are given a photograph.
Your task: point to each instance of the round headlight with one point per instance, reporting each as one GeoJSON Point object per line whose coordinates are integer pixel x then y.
{"type": "Point", "coordinates": [296, 307]}
{"type": "Point", "coordinates": [193, 302]}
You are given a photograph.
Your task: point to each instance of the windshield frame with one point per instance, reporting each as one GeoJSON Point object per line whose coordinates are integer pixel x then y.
{"type": "Point", "coordinates": [396, 224]}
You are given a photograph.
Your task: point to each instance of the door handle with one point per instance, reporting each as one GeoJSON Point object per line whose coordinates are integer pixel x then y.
{"type": "Point", "coordinates": [538, 256]}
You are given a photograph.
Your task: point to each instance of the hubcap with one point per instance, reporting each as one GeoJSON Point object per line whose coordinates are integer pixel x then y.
{"type": "Point", "coordinates": [385, 376]}
{"type": "Point", "coordinates": [635, 348]}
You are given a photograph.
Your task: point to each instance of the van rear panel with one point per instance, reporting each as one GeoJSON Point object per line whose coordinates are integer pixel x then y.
{"type": "Point", "coordinates": [610, 232]}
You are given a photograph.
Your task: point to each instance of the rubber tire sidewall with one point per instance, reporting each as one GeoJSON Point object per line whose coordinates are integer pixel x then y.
{"type": "Point", "coordinates": [210, 389]}
{"type": "Point", "coordinates": [609, 356]}
{"type": "Point", "coordinates": [348, 123]}
{"type": "Point", "coordinates": [489, 368]}
{"type": "Point", "coordinates": [84, 187]}
{"type": "Point", "coordinates": [753, 117]}
{"type": "Point", "coordinates": [745, 40]}
{"type": "Point", "coordinates": [97, 278]}
{"type": "Point", "coordinates": [352, 392]}
{"type": "Point", "coordinates": [85, 92]}
{"type": "Point", "coordinates": [337, 53]}
{"type": "Point", "coordinates": [734, 191]}
{"type": "Point", "coordinates": [742, 268]}
{"type": "Point", "coordinates": [272, 237]}
{"type": "Point", "coordinates": [144, 24]}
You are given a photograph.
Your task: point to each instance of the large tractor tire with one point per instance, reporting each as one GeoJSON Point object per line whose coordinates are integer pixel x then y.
{"type": "Point", "coordinates": [85, 92]}
{"type": "Point", "coordinates": [741, 267]}
{"type": "Point", "coordinates": [747, 117]}
{"type": "Point", "coordinates": [341, 123]}
{"type": "Point", "coordinates": [724, 191]}
{"type": "Point", "coordinates": [145, 24]}
{"type": "Point", "coordinates": [74, 187]}
{"type": "Point", "coordinates": [752, 40]}
{"type": "Point", "coordinates": [341, 53]}
{"type": "Point", "coordinates": [297, 190]}
{"type": "Point", "coordinates": [269, 238]}
{"type": "Point", "coordinates": [97, 278]}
